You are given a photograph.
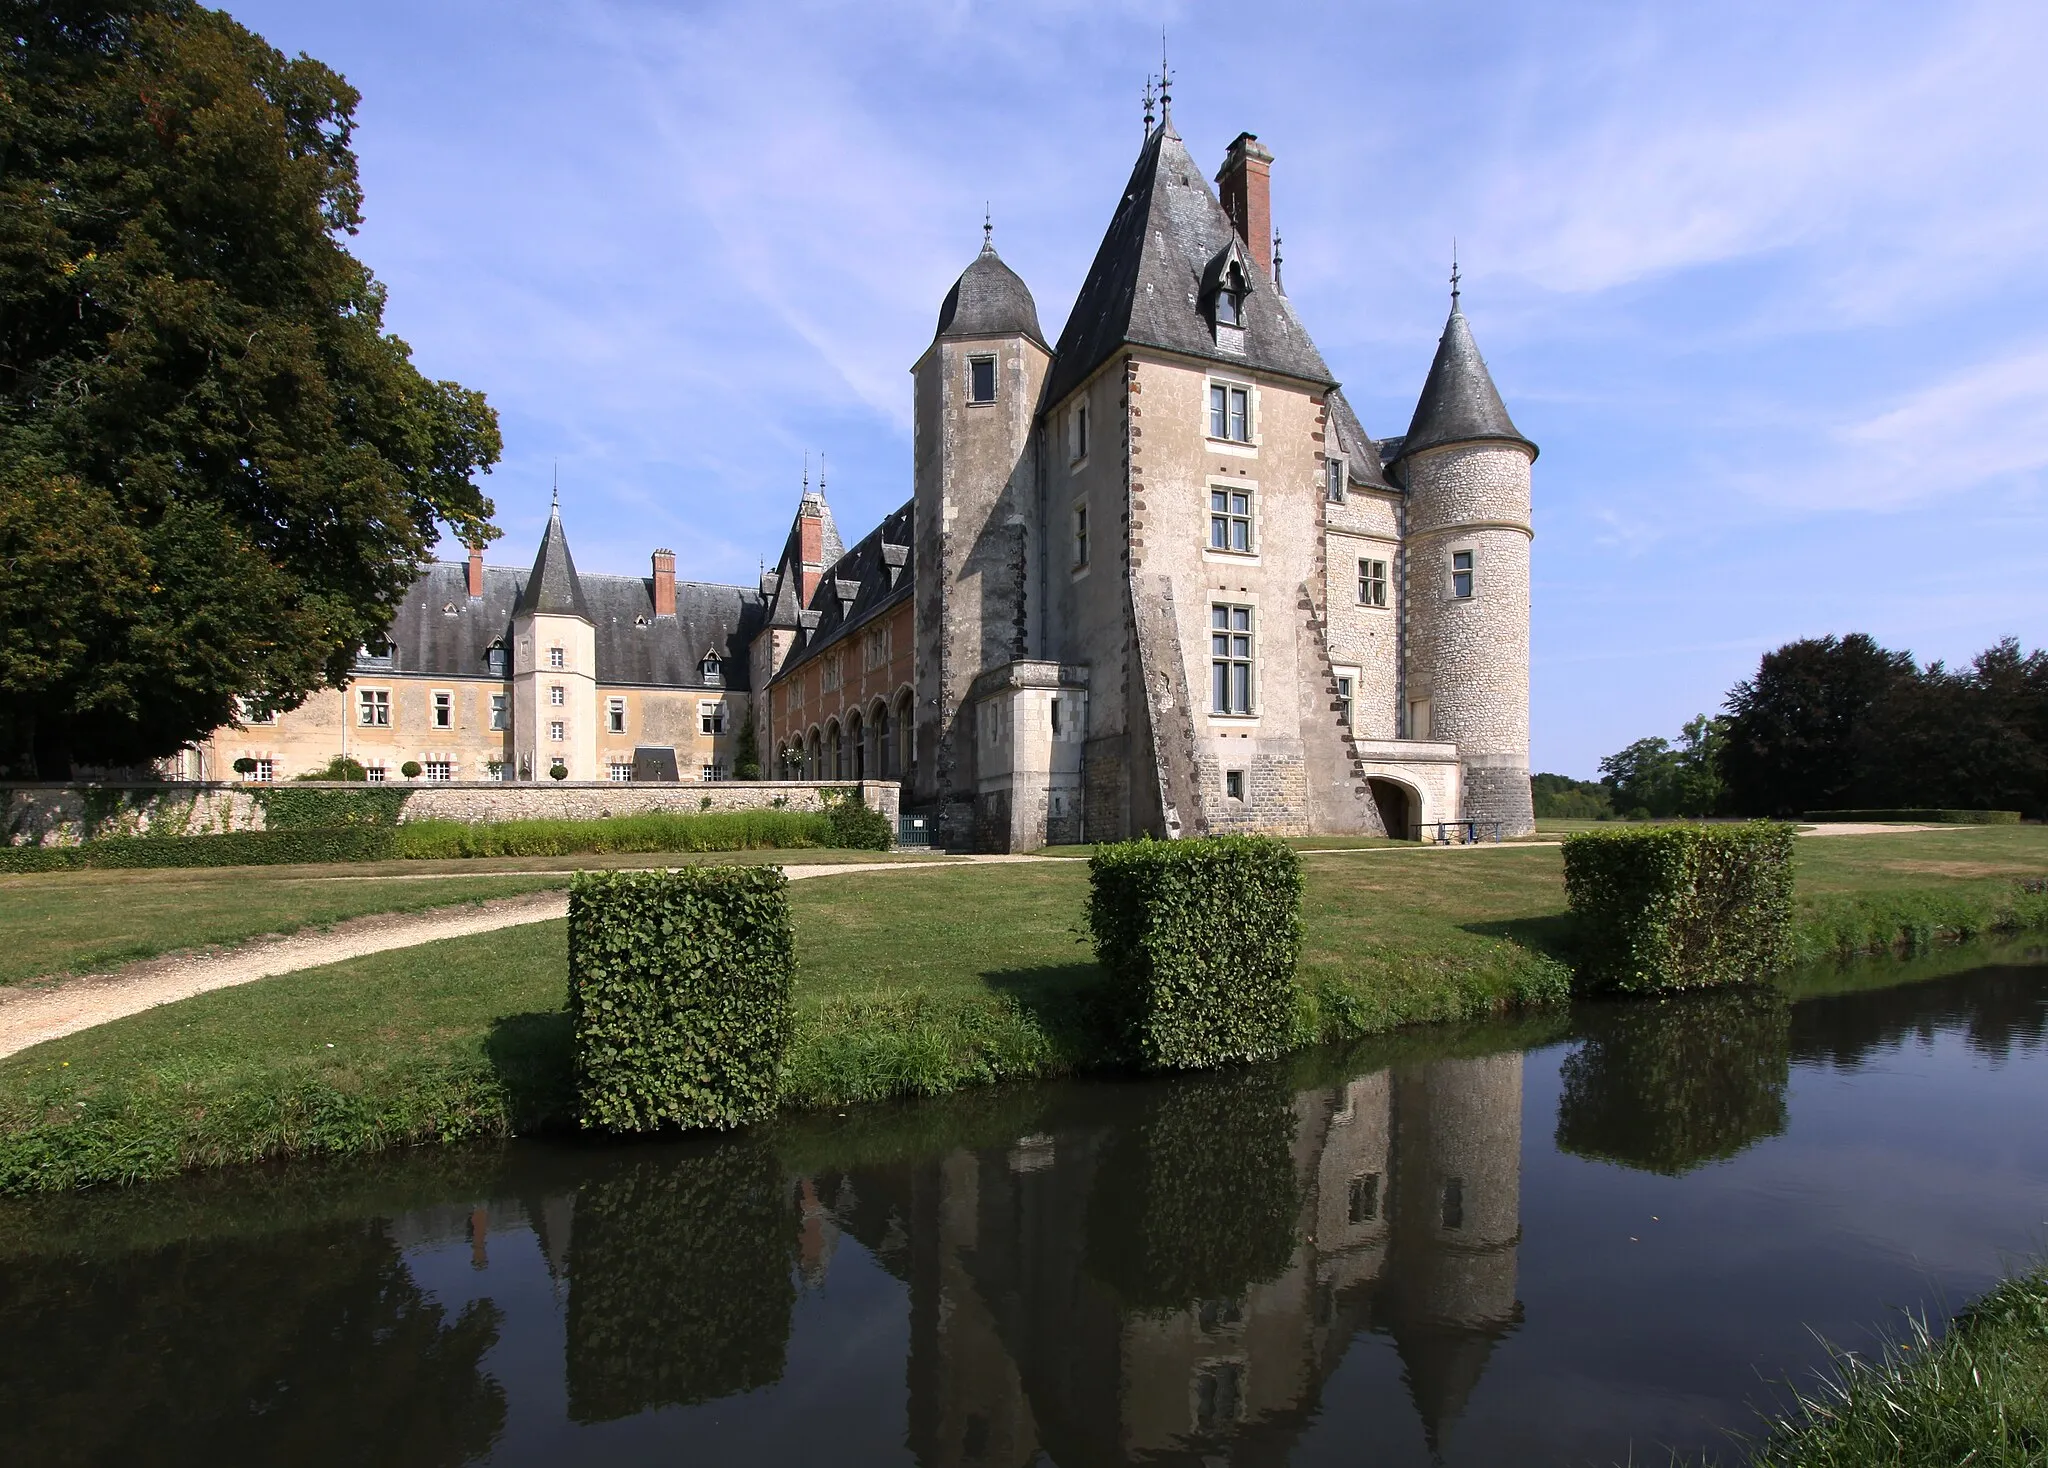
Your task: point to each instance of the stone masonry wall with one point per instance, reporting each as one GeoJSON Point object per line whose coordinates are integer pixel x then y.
{"type": "Point", "coordinates": [62, 815]}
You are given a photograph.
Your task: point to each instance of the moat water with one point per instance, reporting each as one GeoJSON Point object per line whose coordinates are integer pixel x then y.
{"type": "Point", "coordinates": [1565, 1240]}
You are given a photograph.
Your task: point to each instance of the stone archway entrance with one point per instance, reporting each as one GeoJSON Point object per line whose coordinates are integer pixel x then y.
{"type": "Point", "coordinates": [1398, 810]}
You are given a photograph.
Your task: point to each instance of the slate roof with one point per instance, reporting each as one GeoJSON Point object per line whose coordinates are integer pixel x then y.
{"type": "Point", "coordinates": [989, 299]}
{"type": "Point", "coordinates": [782, 586]}
{"type": "Point", "coordinates": [1363, 467]}
{"type": "Point", "coordinates": [1459, 402]}
{"type": "Point", "coordinates": [874, 576]}
{"type": "Point", "coordinates": [1145, 284]}
{"type": "Point", "coordinates": [429, 638]}
{"type": "Point", "coordinates": [553, 586]}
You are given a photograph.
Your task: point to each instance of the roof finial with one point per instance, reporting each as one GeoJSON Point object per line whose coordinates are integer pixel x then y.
{"type": "Point", "coordinates": [821, 473]}
{"type": "Point", "coordinates": [1150, 97]}
{"type": "Point", "coordinates": [807, 472]}
{"type": "Point", "coordinates": [556, 508]}
{"type": "Point", "coordinates": [1165, 81]}
{"type": "Point", "coordinates": [1455, 277]}
{"type": "Point", "coordinates": [1276, 264]}
{"type": "Point", "coordinates": [988, 229]}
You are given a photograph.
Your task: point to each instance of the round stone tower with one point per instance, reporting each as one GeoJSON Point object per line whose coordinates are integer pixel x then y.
{"type": "Point", "coordinates": [1466, 470]}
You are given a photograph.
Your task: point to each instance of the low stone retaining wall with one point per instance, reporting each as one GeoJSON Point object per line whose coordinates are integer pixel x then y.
{"type": "Point", "coordinates": [64, 815]}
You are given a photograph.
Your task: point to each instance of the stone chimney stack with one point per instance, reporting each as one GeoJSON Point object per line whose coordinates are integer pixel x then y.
{"type": "Point", "coordinates": [664, 583]}
{"type": "Point", "coordinates": [1246, 188]}
{"type": "Point", "coordinates": [476, 572]}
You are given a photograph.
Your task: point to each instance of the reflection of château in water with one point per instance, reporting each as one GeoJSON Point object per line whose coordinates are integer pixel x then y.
{"type": "Point", "coordinates": [1409, 1221]}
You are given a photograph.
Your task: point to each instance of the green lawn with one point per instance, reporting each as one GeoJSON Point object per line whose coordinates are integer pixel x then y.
{"type": "Point", "coordinates": [85, 921]}
{"type": "Point", "coordinates": [910, 983]}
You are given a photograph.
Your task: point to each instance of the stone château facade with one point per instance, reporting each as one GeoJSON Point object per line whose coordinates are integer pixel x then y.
{"type": "Point", "coordinates": [1152, 577]}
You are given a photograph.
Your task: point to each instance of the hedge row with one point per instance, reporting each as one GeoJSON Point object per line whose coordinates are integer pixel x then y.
{"type": "Point", "coordinates": [681, 989]}
{"type": "Point", "coordinates": [751, 830]}
{"type": "Point", "coordinates": [1923, 817]}
{"type": "Point", "coordinates": [1200, 939]}
{"type": "Point", "coordinates": [1679, 907]}
{"type": "Point", "coordinates": [289, 809]}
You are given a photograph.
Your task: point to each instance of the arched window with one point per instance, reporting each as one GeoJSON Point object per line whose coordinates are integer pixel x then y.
{"type": "Point", "coordinates": [856, 747]}
{"type": "Point", "coordinates": [813, 761]}
{"type": "Point", "coordinates": [835, 753]}
{"type": "Point", "coordinates": [906, 737]}
{"type": "Point", "coordinates": [885, 743]}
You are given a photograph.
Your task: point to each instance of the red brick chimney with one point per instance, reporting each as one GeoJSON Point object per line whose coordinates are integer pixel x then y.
{"type": "Point", "coordinates": [810, 550]}
{"type": "Point", "coordinates": [1246, 188]}
{"type": "Point", "coordinates": [664, 583]}
{"type": "Point", "coordinates": [476, 572]}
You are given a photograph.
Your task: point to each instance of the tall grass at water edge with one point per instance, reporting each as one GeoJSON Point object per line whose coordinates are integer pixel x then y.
{"type": "Point", "coordinates": [1978, 1395]}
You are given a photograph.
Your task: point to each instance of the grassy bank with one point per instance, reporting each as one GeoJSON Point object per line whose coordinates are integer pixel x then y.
{"type": "Point", "coordinates": [1979, 1395]}
{"type": "Point", "coordinates": [912, 983]}
{"type": "Point", "coordinates": [88, 921]}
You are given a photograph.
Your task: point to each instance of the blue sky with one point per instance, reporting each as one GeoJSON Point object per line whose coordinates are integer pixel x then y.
{"type": "Point", "coordinates": [1764, 281]}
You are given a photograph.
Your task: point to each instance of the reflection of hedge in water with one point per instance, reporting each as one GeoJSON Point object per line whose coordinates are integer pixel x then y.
{"type": "Point", "coordinates": [1670, 1085]}
{"type": "Point", "coordinates": [1197, 1199]}
{"type": "Point", "coordinates": [680, 1282]}
{"type": "Point", "coordinates": [305, 1347]}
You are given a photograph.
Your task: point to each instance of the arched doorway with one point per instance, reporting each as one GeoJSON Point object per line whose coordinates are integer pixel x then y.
{"type": "Point", "coordinates": [856, 747]}
{"type": "Point", "coordinates": [835, 752]}
{"type": "Point", "coordinates": [884, 761]}
{"type": "Point", "coordinates": [1400, 812]}
{"type": "Point", "coordinates": [813, 765]}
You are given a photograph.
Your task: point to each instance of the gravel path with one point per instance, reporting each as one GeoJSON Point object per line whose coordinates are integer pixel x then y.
{"type": "Point", "coordinates": [31, 1014]}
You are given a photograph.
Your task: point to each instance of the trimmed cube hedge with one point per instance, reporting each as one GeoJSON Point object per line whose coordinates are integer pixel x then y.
{"type": "Point", "coordinates": [1200, 939]}
{"type": "Point", "coordinates": [1681, 907]}
{"type": "Point", "coordinates": [679, 995]}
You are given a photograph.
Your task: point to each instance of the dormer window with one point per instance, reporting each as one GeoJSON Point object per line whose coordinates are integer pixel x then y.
{"type": "Point", "coordinates": [712, 668]}
{"type": "Point", "coordinates": [1230, 298]}
{"type": "Point", "coordinates": [494, 659]}
{"type": "Point", "coordinates": [376, 653]}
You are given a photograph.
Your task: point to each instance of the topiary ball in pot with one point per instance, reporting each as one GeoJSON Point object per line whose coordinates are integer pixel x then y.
{"type": "Point", "coordinates": [245, 766]}
{"type": "Point", "coordinates": [410, 769]}
{"type": "Point", "coordinates": [558, 771]}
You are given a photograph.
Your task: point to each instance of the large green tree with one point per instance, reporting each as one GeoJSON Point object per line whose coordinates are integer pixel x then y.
{"type": "Point", "coordinates": [1794, 729]}
{"type": "Point", "coordinates": [218, 472]}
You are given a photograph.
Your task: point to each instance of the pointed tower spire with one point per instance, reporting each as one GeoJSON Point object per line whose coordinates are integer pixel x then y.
{"type": "Point", "coordinates": [1459, 402]}
{"type": "Point", "coordinates": [553, 588]}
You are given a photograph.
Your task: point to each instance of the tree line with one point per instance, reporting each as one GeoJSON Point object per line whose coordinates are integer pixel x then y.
{"type": "Point", "coordinates": [1839, 723]}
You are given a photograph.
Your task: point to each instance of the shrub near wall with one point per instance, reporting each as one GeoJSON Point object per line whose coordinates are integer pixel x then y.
{"type": "Point", "coordinates": [1681, 907]}
{"type": "Point", "coordinates": [1919, 817]}
{"type": "Point", "coordinates": [1200, 938]}
{"type": "Point", "coordinates": [679, 995]}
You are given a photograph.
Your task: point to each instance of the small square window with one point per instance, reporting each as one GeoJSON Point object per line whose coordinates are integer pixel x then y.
{"type": "Point", "coordinates": [714, 771]}
{"type": "Point", "coordinates": [374, 774]}
{"type": "Point", "coordinates": [440, 770]}
{"type": "Point", "coordinates": [1080, 536]}
{"type": "Point", "coordinates": [494, 769]}
{"type": "Point", "coordinates": [498, 711]}
{"type": "Point", "coordinates": [1365, 1197]}
{"type": "Point", "coordinates": [557, 658]}
{"type": "Point", "coordinates": [615, 716]}
{"type": "Point", "coordinates": [981, 379]}
{"type": "Point", "coordinates": [1461, 574]}
{"type": "Point", "coordinates": [1233, 784]}
{"type": "Point", "coordinates": [444, 711]}
{"type": "Point", "coordinates": [619, 772]}
{"type": "Point", "coordinates": [1372, 583]}
{"type": "Point", "coordinates": [1334, 489]}
{"type": "Point", "coordinates": [1230, 521]}
{"type": "Point", "coordinates": [711, 718]}
{"type": "Point", "coordinates": [555, 728]}
{"type": "Point", "coordinates": [557, 696]}
{"type": "Point", "coordinates": [1344, 698]}
{"type": "Point", "coordinates": [373, 708]}
{"type": "Point", "coordinates": [1230, 412]}
{"type": "Point", "coordinates": [265, 770]}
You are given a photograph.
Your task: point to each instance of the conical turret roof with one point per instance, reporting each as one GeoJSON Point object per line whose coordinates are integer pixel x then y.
{"type": "Point", "coordinates": [553, 588]}
{"type": "Point", "coordinates": [989, 299]}
{"type": "Point", "coordinates": [1459, 402]}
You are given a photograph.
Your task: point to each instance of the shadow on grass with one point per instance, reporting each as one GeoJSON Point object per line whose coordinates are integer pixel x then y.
{"type": "Point", "coordinates": [1068, 1002]}
{"type": "Point", "coordinates": [1554, 935]}
{"type": "Point", "coordinates": [533, 1056]}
